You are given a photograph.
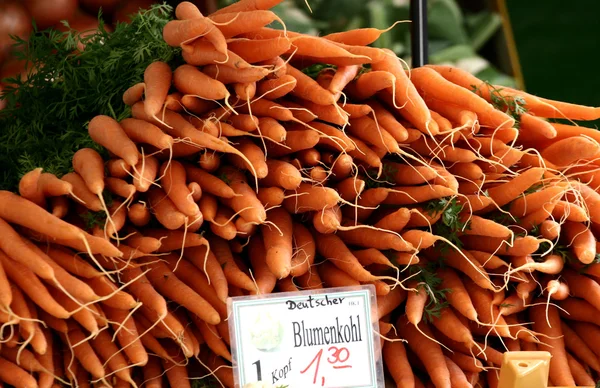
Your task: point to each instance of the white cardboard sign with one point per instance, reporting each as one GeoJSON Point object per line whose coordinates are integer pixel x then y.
{"type": "Point", "coordinates": [318, 338]}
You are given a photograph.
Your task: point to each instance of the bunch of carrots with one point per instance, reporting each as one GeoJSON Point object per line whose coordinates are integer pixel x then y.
{"type": "Point", "coordinates": [276, 161]}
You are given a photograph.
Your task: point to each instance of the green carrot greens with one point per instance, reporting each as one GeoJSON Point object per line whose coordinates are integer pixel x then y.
{"type": "Point", "coordinates": [46, 119]}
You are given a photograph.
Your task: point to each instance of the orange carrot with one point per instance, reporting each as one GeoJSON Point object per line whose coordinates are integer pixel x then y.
{"type": "Point", "coordinates": [406, 95]}
{"type": "Point", "coordinates": [228, 75]}
{"type": "Point", "coordinates": [15, 375]}
{"type": "Point", "coordinates": [278, 242]}
{"type": "Point", "coordinates": [332, 247]}
{"type": "Point", "coordinates": [199, 53]}
{"type": "Point", "coordinates": [589, 333]}
{"type": "Point", "coordinates": [554, 343]}
{"type": "Point", "coordinates": [266, 108]}
{"type": "Point", "coordinates": [568, 151]}
{"type": "Point", "coordinates": [248, 5]}
{"type": "Point", "coordinates": [191, 81]}
{"type": "Point", "coordinates": [526, 204]}
{"type": "Point", "coordinates": [368, 84]}
{"type": "Point", "coordinates": [165, 210]}
{"type": "Point", "coordinates": [311, 198]}
{"type": "Point", "coordinates": [197, 280]}
{"type": "Point", "coordinates": [579, 372]}
{"type": "Point", "coordinates": [408, 195]}
{"type": "Point", "coordinates": [591, 200]}
{"type": "Point", "coordinates": [181, 32]}
{"type": "Point", "coordinates": [59, 206]}
{"type": "Point", "coordinates": [342, 77]}
{"type": "Point", "coordinates": [203, 259]}
{"type": "Point", "coordinates": [429, 81]}
{"type": "Point", "coordinates": [534, 129]}
{"type": "Point", "coordinates": [109, 353]}
{"type": "Point", "coordinates": [18, 250]}
{"type": "Point", "coordinates": [89, 165]}
{"type": "Point", "coordinates": [266, 280]}
{"type": "Point", "coordinates": [157, 78]}
{"type": "Point", "coordinates": [581, 240]}
{"type": "Point", "coordinates": [442, 122]}
{"type": "Point", "coordinates": [208, 182]}
{"type": "Point", "coordinates": [141, 131]}
{"type": "Point", "coordinates": [309, 89]}
{"type": "Point", "coordinates": [327, 220]}
{"type": "Point", "coordinates": [574, 309]}
{"type": "Point", "coordinates": [583, 287]}
{"type": "Point", "coordinates": [167, 283]}
{"type": "Point", "coordinates": [536, 105]}
{"type": "Point", "coordinates": [107, 132]}
{"type": "Point", "coordinates": [85, 353]}
{"type": "Point", "coordinates": [429, 352]}
{"type": "Point", "coordinates": [146, 171]}
{"type": "Point", "coordinates": [459, 297]}
{"type": "Point", "coordinates": [396, 360]}
{"type": "Point", "coordinates": [134, 94]}
{"type": "Point", "coordinates": [253, 21]}
{"type": "Point", "coordinates": [445, 151]}
{"type": "Point", "coordinates": [28, 187]}
{"type": "Point", "coordinates": [335, 277]}
{"type": "Point", "coordinates": [578, 347]}
{"type": "Point", "coordinates": [521, 246]}
{"type": "Point", "coordinates": [258, 50]}
{"type": "Point", "coordinates": [368, 130]}
{"type": "Point", "coordinates": [222, 225]}
{"type": "Point", "coordinates": [232, 272]}
{"type": "Point", "coordinates": [139, 214]}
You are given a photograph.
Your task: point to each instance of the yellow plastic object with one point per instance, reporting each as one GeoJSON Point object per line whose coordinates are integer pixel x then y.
{"type": "Point", "coordinates": [526, 370]}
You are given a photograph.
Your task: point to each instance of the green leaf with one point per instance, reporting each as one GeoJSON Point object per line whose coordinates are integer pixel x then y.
{"type": "Point", "coordinates": [337, 13]}
{"type": "Point", "coordinates": [313, 70]}
{"type": "Point", "coordinates": [205, 382]}
{"type": "Point", "coordinates": [446, 21]}
{"type": "Point", "coordinates": [46, 118]}
{"type": "Point", "coordinates": [450, 225]}
{"type": "Point", "coordinates": [482, 26]}
{"type": "Point", "coordinates": [493, 76]}
{"type": "Point", "coordinates": [452, 54]}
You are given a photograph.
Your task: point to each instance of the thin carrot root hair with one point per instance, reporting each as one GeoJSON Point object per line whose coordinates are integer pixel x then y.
{"type": "Point", "coordinates": [11, 329]}
{"type": "Point", "coordinates": [94, 260]}
{"type": "Point", "coordinates": [232, 217]}
{"type": "Point", "coordinates": [211, 372]}
{"type": "Point", "coordinates": [433, 339]}
{"type": "Point", "coordinates": [389, 339]}
{"type": "Point", "coordinates": [270, 91]}
{"type": "Point", "coordinates": [108, 296]}
{"type": "Point", "coordinates": [108, 215]}
{"type": "Point", "coordinates": [122, 325]}
{"type": "Point", "coordinates": [254, 281]}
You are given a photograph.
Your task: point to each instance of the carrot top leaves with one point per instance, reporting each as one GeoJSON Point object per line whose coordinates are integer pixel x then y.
{"type": "Point", "coordinates": [503, 217]}
{"type": "Point", "coordinates": [92, 219]}
{"type": "Point", "coordinates": [206, 382]}
{"type": "Point", "coordinates": [450, 224]}
{"type": "Point", "coordinates": [534, 188]}
{"type": "Point", "coordinates": [512, 106]}
{"type": "Point", "coordinates": [46, 117]}
{"type": "Point", "coordinates": [313, 70]}
{"type": "Point", "coordinates": [430, 283]}
{"type": "Point", "coordinates": [385, 180]}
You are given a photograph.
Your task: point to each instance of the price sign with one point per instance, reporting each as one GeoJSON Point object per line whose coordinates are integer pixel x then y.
{"type": "Point", "coordinates": [318, 338]}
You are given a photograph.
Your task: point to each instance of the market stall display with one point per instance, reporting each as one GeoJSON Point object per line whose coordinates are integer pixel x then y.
{"type": "Point", "coordinates": [253, 160]}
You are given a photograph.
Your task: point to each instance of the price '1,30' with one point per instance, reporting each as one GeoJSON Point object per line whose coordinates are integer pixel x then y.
{"type": "Point", "coordinates": [336, 357]}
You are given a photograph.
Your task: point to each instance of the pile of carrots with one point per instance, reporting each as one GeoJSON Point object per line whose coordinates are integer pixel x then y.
{"type": "Point", "coordinates": [475, 217]}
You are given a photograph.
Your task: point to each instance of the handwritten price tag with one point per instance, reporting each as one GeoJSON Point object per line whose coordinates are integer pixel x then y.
{"type": "Point", "coordinates": [319, 338]}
